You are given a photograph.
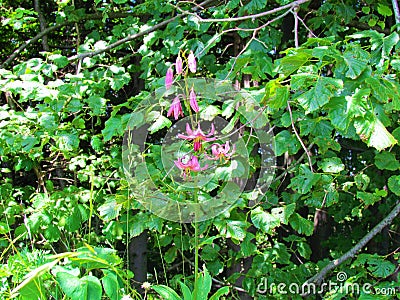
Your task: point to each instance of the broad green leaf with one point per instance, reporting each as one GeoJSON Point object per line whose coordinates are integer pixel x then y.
{"type": "Point", "coordinates": [304, 181]}
{"type": "Point", "coordinates": [384, 10]}
{"type": "Point", "coordinates": [319, 95]}
{"type": "Point", "coordinates": [290, 64]}
{"type": "Point", "coordinates": [97, 104]}
{"type": "Point", "coordinates": [381, 268]}
{"type": "Point", "coordinates": [111, 285]}
{"type": "Point", "coordinates": [356, 60]}
{"type": "Point", "coordinates": [264, 220]}
{"type": "Point", "coordinates": [85, 288]}
{"type": "Point", "coordinates": [220, 292]}
{"type": "Point", "coordinates": [332, 165]}
{"type": "Point", "coordinates": [394, 184]}
{"type": "Point", "coordinates": [301, 225]}
{"type": "Point", "coordinates": [283, 213]}
{"type": "Point", "coordinates": [386, 161]}
{"type": "Point", "coordinates": [187, 295]}
{"type": "Point", "coordinates": [203, 286]}
{"type": "Point", "coordinates": [110, 209]}
{"type": "Point", "coordinates": [368, 198]}
{"type": "Point", "coordinates": [166, 292]}
{"type": "Point", "coordinates": [159, 123]}
{"type": "Point", "coordinates": [276, 95]}
{"type": "Point", "coordinates": [380, 138]}
{"type": "Point", "coordinates": [284, 141]}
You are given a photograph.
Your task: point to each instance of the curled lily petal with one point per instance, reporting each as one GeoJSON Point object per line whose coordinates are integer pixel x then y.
{"type": "Point", "coordinates": [175, 108]}
{"type": "Point", "coordinates": [193, 101]}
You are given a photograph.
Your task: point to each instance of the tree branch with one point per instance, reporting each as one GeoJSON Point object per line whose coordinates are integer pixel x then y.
{"type": "Point", "coordinates": [396, 10]}
{"type": "Point", "coordinates": [317, 279]}
{"type": "Point", "coordinates": [55, 27]}
{"type": "Point", "coordinates": [42, 23]}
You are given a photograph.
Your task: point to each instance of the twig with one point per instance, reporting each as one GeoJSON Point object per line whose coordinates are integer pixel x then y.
{"type": "Point", "coordinates": [55, 27]}
{"type": "Point", "coordinates": [396, 9]}
{"type": "Point", "coordinates": [317, 278]}
{"type": "Point", "coordinates": [299, 138]}
{"type": "Point", "coordinates": [296, 27]}
{"type": "Point", "coordinates": [135, 36]}
{"type": "Point", "coordinates": [255, 16]}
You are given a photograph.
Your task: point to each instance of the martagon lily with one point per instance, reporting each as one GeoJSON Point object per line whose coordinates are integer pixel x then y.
{"type": "Point", "coordinates": [192, 164]}
{"type": "Point", "coordinates": [221, 151]}
{"type": "Point", "coordinates": [197, 136]}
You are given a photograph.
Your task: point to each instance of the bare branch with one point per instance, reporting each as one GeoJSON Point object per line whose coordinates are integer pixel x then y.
{"type": "Point", "coordinates": [317, 279]}
{"type": "Point", "coordinates": [396, 9]}
{"type": "Point", "coordinates": [255, 16]}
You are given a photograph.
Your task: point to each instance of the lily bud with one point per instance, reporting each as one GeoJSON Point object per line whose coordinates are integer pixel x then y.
{"type": "Point", "coordinates": [193, 101]}
{"type": "Point", "coordinates": [169, 78]}
{"type": "Point", "coordinates": [179, 65]}
{"type": "Point", "coordinates": [192, 62]}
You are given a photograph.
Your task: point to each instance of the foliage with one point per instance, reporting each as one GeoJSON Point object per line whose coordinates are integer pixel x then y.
{"type": "Point", "coordinates": [68, 213]}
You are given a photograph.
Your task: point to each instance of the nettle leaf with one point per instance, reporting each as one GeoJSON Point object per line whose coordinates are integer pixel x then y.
{"type": "Point", "coordinates": [316, 97]}
{"type": "Point", "coordinates": [332, 165]}
{"type": "Point", "coordinates": [386, 161]}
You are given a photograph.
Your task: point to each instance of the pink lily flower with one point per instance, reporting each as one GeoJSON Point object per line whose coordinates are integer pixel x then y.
{"type": "Point", "coordinates": [179, 65]}
{"type": "Point", "coordinates": [175, 108]}
{"type": "Point", "coordinates": [221, 151]}
{"type": "Point", "coordinates": [192, 62]}
{"type": "Point", "coordinates": [169, 78]}
{"type": "Point", "coordinates": [197, 136]}
{"type": "Point", "coordinates": [193, 101]}
{"type": "Point", "coordinates": [191, 164]}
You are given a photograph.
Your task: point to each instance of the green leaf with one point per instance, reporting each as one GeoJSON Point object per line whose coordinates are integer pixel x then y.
{"type": "Point", "coordinates": [97, 104]}
{"type": "Point", "coordinates": [316, 97]}
{"type": "Point", "coordinates": [111, 285]}
{"type": "Point", "coordinates": [166, 292]}
{"type": "Point", "coordinates": [276, 95]}
{"type": "Point", "coordinates": [394, 184]}
{"type": "Point", "coordinates": [264, 220]}
{"type": "Point", "coordinates": [85, 288]}
{"type": "Point", "coordinates": [284, 141]}
{"type": "Point", "coordinates": [159, 123]}
{"type": "Point", "coordinates": [381, 268]}
{"type": "Point", "coordinates": [290, 64]}
{"type": "Point", "coordinates": [59, 60]}
{"type": "Point", "coordinates": [203, 285]}
{"type": "Point", "coordinates": [112, 128]}
{"type": "Point", "coordinates": [380, 138]}
{"type": "Point", "coordinates": [332, 165]}
{"type": "Point", "coordinates": [304, 181]}
{"type": "Point", "coordinates": [384, 10]}
{"type": "Point", "coordinates": [220, 292]}
{"type": "Point", "coordinates": [368, 198]}
{"type": "Point", "coordinates": [283, 213]}
{"type": "Point", "coordinates": [301, 225]}
{"type": "Point", "coordinates": [386, 161]}
{"type": "Point", "coordinates": [187, 295]}
{"type": "Point", "coordinates": [356, 59]}
{"type": "Point", "coordinates": [110, 209]}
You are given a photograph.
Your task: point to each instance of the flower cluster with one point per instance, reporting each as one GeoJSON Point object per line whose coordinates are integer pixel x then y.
{"type": "Point", "coordinates": [190, 162]}
{"type": "Point", "coordinates": [176, 107]}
